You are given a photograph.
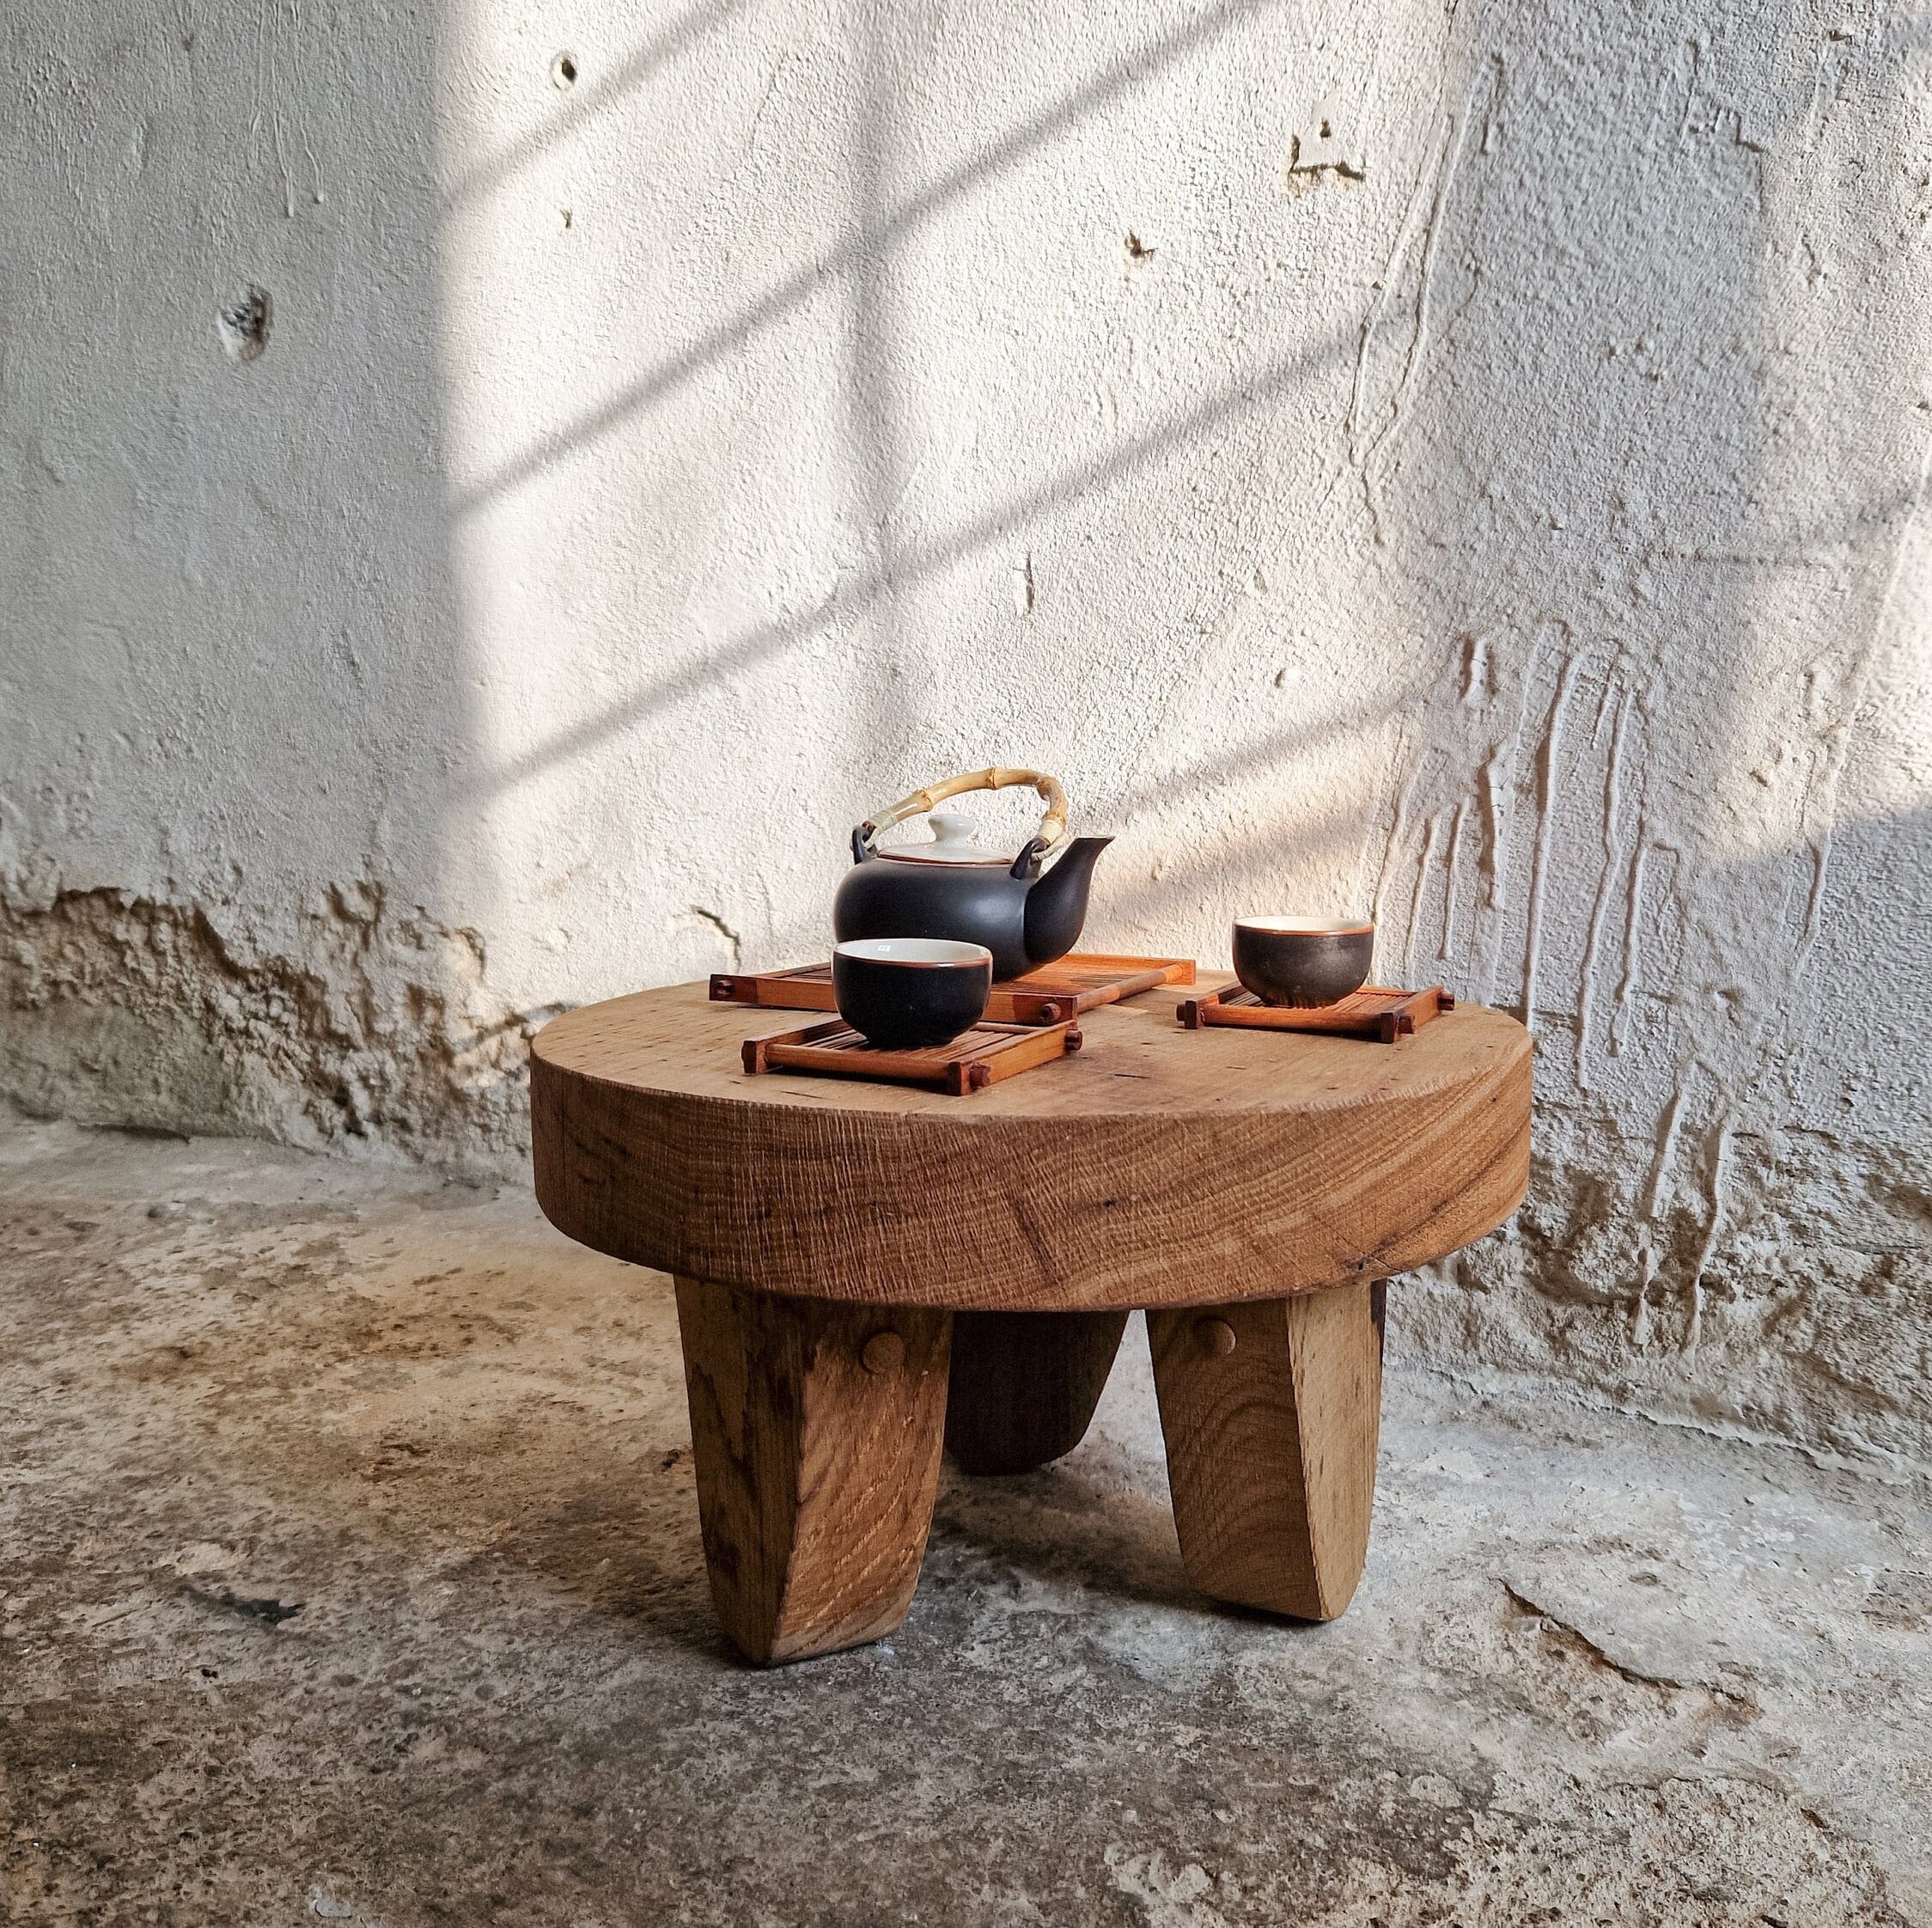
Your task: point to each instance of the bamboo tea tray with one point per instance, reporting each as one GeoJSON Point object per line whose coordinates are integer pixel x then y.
{"type": "Point", "coordinates": [983, 1056]}
{"type": "Point", "coordinates": [1373, 1012]}
{"type": "Point", "coordinates": [1078, 982]}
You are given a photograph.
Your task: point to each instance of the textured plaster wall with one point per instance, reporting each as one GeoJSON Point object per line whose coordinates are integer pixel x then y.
{"type": "Point", "coordinates": [490, 494]}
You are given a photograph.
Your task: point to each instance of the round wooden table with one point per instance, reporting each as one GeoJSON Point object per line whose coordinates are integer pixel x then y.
{"type": "Point", "coordinates": [866, 1271]}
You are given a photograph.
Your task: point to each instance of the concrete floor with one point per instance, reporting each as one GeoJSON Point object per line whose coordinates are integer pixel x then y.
{"type": "Point", "coordinates": [350, 1571]}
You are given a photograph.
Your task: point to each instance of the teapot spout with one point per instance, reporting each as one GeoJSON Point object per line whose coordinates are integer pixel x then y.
{"type": "Point", "coordinates": [1056, 901]}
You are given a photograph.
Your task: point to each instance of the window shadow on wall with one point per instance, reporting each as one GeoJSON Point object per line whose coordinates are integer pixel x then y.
{"type": "Point", "coordinates": [1553, 650]}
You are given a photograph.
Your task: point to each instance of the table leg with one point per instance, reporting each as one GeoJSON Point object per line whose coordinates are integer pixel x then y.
{"type": "Point", "coordinates": [1271, 1410]}
{"type": "Point", "coordinates": [1025, 1384]}
{"type": "Point", "coordinates": [816, 1430]}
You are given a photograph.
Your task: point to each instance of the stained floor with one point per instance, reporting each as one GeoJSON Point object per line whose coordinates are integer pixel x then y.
{"type": "Point", "coordinates": [350, 1572]}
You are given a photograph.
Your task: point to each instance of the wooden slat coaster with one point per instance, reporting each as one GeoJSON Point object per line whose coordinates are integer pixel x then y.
{"type": "Point", "coordinates": [983, 1056]}
{"type": "Point", "coordinates": [805, 988]}
{"type": "Point", "coordinates": [1373, 1012]}
{"type": "Point", "coordinates": [1082, 981]}
{"type": "Point", "coordinates": [1078, 982]}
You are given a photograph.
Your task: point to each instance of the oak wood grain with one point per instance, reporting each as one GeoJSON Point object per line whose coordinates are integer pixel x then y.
{"type": "Point", "coordinates": [815, 1430]}
{"type": "Point", "coordinates": [1158, 1167]}
{"type": "Point", "coordinates": [1272, 1410]}
{"type": "Point", "coordinates": [1024, 1385]}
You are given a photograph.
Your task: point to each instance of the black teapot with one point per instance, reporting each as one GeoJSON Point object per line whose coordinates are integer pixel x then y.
{"type": "Point", "coordinates": [951, 888]}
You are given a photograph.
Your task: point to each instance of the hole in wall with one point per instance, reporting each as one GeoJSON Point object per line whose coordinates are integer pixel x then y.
{"type": "Point", "coordinates": [564, 71]}
{"type": "Point", "coordinates": [243, 323]}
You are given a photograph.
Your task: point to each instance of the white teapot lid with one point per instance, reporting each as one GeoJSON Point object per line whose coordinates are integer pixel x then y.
{"type": "Point", "coordinates": [952, 841]}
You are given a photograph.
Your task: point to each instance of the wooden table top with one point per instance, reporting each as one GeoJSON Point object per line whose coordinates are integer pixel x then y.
{"type": "Point", "coordinates": [1157, 1167]}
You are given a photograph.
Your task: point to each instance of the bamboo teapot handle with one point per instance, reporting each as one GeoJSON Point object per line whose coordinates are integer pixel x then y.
{"type": "Point", "coordinates": [1053, 826]}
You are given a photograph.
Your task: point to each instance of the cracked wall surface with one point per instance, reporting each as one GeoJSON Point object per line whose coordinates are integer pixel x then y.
{"type": "Point", "coordinates": [545, 479]}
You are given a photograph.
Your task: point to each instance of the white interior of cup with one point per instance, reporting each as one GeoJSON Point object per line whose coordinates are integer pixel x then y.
{"type": "Point", "coordinates": [1306, 927]}
{"type": "Point", "coordinates": [915, 950]}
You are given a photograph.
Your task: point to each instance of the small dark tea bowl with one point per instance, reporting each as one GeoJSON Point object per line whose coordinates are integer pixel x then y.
{"type": "Point", "coordinates": [908, 993]}
{"type": "Point", "coordinates": [1303, 961]}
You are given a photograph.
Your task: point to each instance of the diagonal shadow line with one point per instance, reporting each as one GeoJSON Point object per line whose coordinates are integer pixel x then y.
{"type": "Point", "coordinates": [1256, 859]}
{"type": "Point", "coordinates": [633, 72]}
{"type": "Point", "coordinates": [1112, 84]}
{"type": "Point", "coordinates": [1250, 759]}
{"type": "Point", "coordinates": [916, 563]}
{"type": "Point", "coordinates": [876, 430]}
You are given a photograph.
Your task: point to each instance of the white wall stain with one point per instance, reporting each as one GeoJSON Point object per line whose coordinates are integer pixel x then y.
{"type": "Point", "coordinates": [1717, 1140]}
{"type": "Point", "coordinates": [1656, 1197]}
{"type": "Point", "coordinates": [1392, 845]}
{"type": "Point", "coordinates": [1548, 761]}
{"type": "Point", "coordinates": [1445, 948]}
{"type": "Point", "coordinates": [1374, 418]}
{"type": "Point", "coordinates": [1820, 806]}
{"type": "Point", "coordinates": [1627, 978]}
{"type": "Point", "coordinates": [1607, 881]}
{"type": "Point", "coordinates": [1424, 860]}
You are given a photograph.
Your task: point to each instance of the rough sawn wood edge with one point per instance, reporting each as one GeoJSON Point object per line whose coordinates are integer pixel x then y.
{"type": "Point", "coordinates": [1028, 1213]}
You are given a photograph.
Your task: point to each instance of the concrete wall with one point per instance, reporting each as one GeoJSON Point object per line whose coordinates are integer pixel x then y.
{"type": "Point", "coordinates": [1508, 519]}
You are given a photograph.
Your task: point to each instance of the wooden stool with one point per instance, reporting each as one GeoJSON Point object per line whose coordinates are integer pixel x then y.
{"type": "Point", "coordinates": [867, 1271]}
